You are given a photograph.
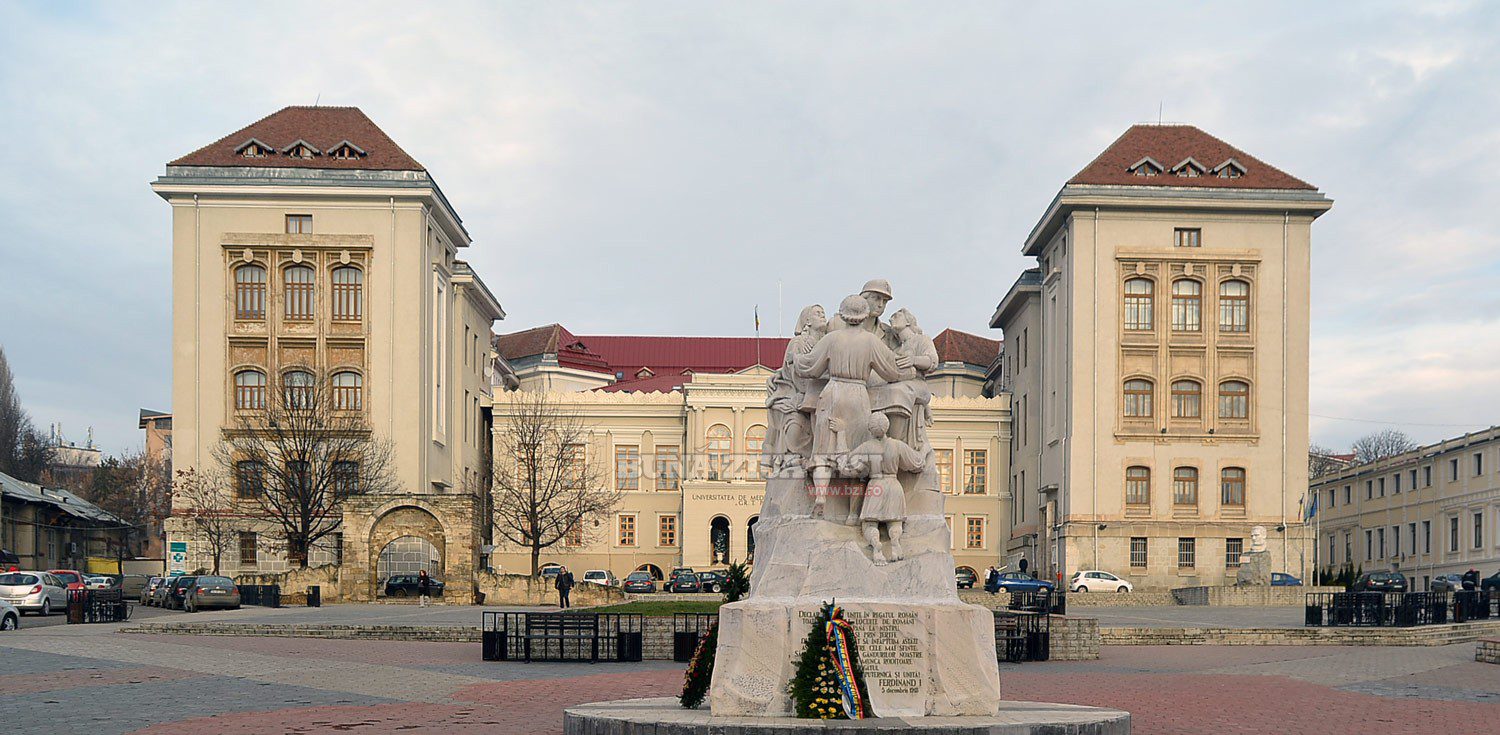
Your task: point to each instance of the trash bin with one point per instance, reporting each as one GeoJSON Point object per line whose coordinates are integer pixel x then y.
{"type": "Point", "coordinates": [314, 596]}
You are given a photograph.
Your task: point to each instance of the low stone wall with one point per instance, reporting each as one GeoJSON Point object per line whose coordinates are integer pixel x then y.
{"type": "Point", "coordinates": [294, 583]}
{"type": "Point", "coordinates": [521, 589]}
{"type": "Point", "coordinates": [1425, 635]}
{"type": "Point", "coordinates": [1488, 651]}
{"type": "Point", "coordinates": [1245, 596]}
{"type": "Point", "coordinates": [1074, 638]}
{"type": "Point", "coordinates": [999, 601]}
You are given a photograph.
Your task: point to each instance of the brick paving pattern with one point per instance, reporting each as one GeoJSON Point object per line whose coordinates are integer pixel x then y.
{"type": "Point", "coordinates": [89, 679]}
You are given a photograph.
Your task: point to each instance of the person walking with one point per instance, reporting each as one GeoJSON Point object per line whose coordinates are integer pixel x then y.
{"type": "Point", "coordinates": [564, 586]}
{"type": "Point", "coordinates": [424, 587]}
{"type": "Point", "coordinates": [992, 580]}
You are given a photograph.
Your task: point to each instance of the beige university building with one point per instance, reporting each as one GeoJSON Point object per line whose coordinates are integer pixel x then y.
{"type": "Point", "coordinates": [1148, 407]}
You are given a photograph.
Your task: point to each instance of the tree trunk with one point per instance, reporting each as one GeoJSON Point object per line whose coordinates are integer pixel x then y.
{"type": "Point", "coordinates": [536, 558]}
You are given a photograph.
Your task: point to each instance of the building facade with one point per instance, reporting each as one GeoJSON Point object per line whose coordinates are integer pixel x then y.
{"type": "Point", "coordinates": [1158, 359]}
{"type": "Point", "coordinates": [1434, 510]}
{"type": "Point", "coordinates": [310, 245]}
{"type": "Point", "coordinates": [676, 426]}
{"type": "Point", "coordinates": [52, 528]}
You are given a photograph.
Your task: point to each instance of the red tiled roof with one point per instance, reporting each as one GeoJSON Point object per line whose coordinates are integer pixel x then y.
{"type": "Point", "coordinates": [1170, 145]}
{"type": "Point", "coordinates": [322, 127]}
{"type": "Point", "coordinates": [653, 384]}
{"type": "Point", "coordinates": [672, 355]}
{"type": "Point", "coordinates": [955, 346]}
{"type": "Point", "coordinates": [552, 339]}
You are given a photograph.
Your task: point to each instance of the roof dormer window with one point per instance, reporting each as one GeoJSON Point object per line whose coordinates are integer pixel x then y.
{"type": "Point", "coordinates": [254, 149]}
{"type": "Point", "coordinates": [1229, 169]}
{"type": "Point", "coordinates": [1146, 167]}
{"type": "Point", "coordinates": [301, 149]}
{"type": "Point", "coordinates": [644, 372]}
{"type": "Point", "coordinates": [346, 151]}
{"type": "Point", "coordinates": [1189, 168]}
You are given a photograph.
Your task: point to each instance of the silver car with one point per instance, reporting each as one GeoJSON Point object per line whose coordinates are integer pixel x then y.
{"type": "Point", "coordinates": [37, 592]}
{"type": "Point", "coordinates": [10, 617]}
{"type": "Point", "coordinates": [207, 592]}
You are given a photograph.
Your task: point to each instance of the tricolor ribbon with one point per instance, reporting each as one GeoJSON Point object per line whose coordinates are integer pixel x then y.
{"type": "Point", "coordinates": [840, 636]}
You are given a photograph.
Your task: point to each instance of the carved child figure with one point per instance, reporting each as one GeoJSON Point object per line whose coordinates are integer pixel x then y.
{"type": "Point", "coordinates": [880, 459]}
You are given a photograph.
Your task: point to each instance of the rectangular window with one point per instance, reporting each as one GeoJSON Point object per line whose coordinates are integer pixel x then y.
{"type": "Point", "coordinates": [1369, 545]}
{"type": "Point", "coordinates": [1453, 534]}
{"type": "Point", "coordinates": [1138, 552]}
{"type": "Point", "coordinates": [1185, 486]}
{"type": "Point", "coordinates": [1348, 548]}
{"type": "Point", "coordinates": [1187, 305]}
{"type": "Point", "coordinates": [299, 224]}
{"type": "Point", "coordinates": [666, 534]}
{"type": "Point", "coordinates": [974, 533]}
{"type": "Point", "coordinates": [1347, 500]}
{"type": "Point", "coordinates": [626, 535]}
{"type": "Point", "coordinates": [1185, 237]}
{"type": "Point", "coordinates": [1411, 535]}
{"type": "Point", "coordinates": [1332, 539]}
{"type": "Point", "coordinates": [1413, 479]}
{"type": "Point", "coordinates": [1380, 542]}
{"type": "Point", "coordinates": [1369, 489]}
{"type": "Point", "coordinates": [249, 479]}
{"type": "Point", "coordinates": [976, 471]}
{"type": "Point", "coordinates": [627, 468]}
{"type": "Point", "coordinates": [1382, 487]}
{"type": "Point", "coordinates": [1453, 470]}
{"type": "Point", "coordinates": [1478, 464]}
{"type": "Point", "coordinates": [1187, 553]}
{"type": "Point", "coordinates": [668, 469]}
{"type": "Point", "coordinates": [1232, 482]}
{"type": "Point", "coordinates": [1137, 486]}
{"type": "Point", "coordinates": [247, 549]}
{"type": "Point", "coordinates": [574, 536]}
{"type": "Point", "coordinates": [1233, 547]}
{"type": "Point", "coordinates": [1395, 542]}
{"type": "Point", "coordinates": [1427, 476]}
{"type": "Point", "coordinates": [1426, 537]}
{"type": "Point", "coordinates": [1478, 530]}
{"type": "Point", "coordinates": [345, 479]}
{"type": "Point", "coordinates": [1396, 484]}
{"type": "Point", "coordinates": [945, 470]}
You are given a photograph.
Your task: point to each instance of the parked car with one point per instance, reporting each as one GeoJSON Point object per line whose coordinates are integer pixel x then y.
{"type": "Point", "coordinates": [37, 592]}
{"type": "Point", "coordinates": [712, 581]}
{"type": "Point", "coordinates": [1491, 582]}
{"type": "Point", "coordinates": [149, 590]}
{"type": "Point", "coordinates": [71, 579]}
{"type": "Point", "coordinates": [1023, 582]}
{"type": "Point", "coordinates": [687, 582]}
{"type": "Point", "coordinates": [10, 616]}
{"type": "Point", "coordinates": [1446, 583]}
{"type": "Point", "coordinates": [405, 585]}
{"type": "Point", "coordinates": [98, 582]}
{"type": "Point", "coordinates": [1379, 582]}
{"type": "Point", "coordinates": [162, 593]}
{"type": "Point", "coordinates": [1282, 579]}
{"type": "Point", "coordinates": [9, 562]}
{"type": "Point", "coordinates": [177, 592]}
{"type": "Point", "coordinates": [550, 571]}
{"type": "Point", "coordinates": [131, 585]}
{"type": "Point", "coordinates": [601, 576]}
{"type": "Point", "coordinates": [211, 592]}
{"type": "Point", "coordinates": [965, 578]}
{"type": "Point", "coordinates": [639, 582]}
{"type": "Point", "coordinates": [1093, 580]}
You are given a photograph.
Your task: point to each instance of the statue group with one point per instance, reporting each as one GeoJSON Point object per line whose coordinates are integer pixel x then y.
{"type": "Point", "coordinates": [850, 409]}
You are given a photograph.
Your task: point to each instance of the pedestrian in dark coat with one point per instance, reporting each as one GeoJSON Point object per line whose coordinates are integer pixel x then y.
{"type": "Point", "coordinates": [564, 585]}
{"type": "Point", "coordinates": [424, 587]}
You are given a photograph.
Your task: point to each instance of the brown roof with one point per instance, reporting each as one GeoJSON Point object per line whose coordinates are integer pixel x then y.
{"type": "Point", "coordinates": [323, 128]}
{"type": "Point", "coordinates": [1170, 145]}
{"type": "Point", "coordinates": [552, 339]}
{"type": "Point", "coordinates": [955, 346]}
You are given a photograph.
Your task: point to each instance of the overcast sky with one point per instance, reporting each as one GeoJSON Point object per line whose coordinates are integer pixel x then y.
{"type": "Point", "coordinates": [658, 167]}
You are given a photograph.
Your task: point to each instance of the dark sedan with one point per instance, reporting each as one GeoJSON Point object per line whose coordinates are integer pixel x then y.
{"type": "Point", "coordinates": [965, 578]}
{"type": "Point", "coordinates": [1379, 582]}
{"type": "Point", "coordinates": [1282, 579]}
{"type": "Point", "coordinates": [405, 585]}
{"type": "Point", "coordinates": [712, 581]}
{"type": "Point", "coordinates": [1491, 583]}
{"type": "Point", "coordinates": [640, 582]}
{"type": "Point", "coordinates": [177, 592]}
{"type": "Point", "coordinates": [1023, 582]}
{"type": "Point", "coordinates": [686, 582]}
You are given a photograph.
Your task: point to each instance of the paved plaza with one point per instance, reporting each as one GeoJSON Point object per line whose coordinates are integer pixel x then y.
{"type": "Point", "coordinates": [93, 679]}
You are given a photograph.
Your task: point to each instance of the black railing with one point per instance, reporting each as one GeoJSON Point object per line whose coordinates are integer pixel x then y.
{"type": "Point", "coordinates": [1398, 609]}
{"type": "Point", "coordinates": [1051, 601]}
{"type": "Point", "coordinates": [263, 595]}
{"type": "Point", "coordinates": [1475, 605]}
{"type": "Point", "coordinates": [531, 636]}
{"type": "Point", "coordinates": [98, 606]}
{"type": "Point", "coordinates": [1023, 636]}
{"type": "Point", "coordinates": [687, 629]}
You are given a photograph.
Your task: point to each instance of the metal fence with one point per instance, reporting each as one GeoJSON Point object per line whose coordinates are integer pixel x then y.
{"type": "Point", "coordinates": [98, 606]}
{"type": "Point", "coordinates": [593, 637]}
{"type": "Point", "coordinates": [263, 595]}
{"type": "Point", "coordinates": [1052, 601]}
{"type": "Point", "coordinates": [1398, 609]}
{"type": "Point", "coordinates": [1023, 635]}
{"type": "Point", "coordinates": [687, 629]}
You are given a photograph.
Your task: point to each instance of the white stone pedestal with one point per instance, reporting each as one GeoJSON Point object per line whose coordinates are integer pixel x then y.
{"type": "Point", "coordinates": [919, 658]}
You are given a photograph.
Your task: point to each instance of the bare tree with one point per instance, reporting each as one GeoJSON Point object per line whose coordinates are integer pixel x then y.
{"type": "Point", "coordinates": [203, 501]}
{"type": "Point", "coordinates": [544, 489]}
{"type": "Point", "coordinates": [23, 450]}
{"type": "Point", "coordinates": [1321, 460]}
{"type": "Point", "coordinates": [1382, 444]}
{"type": "Point", "coordinates": [302, 456]}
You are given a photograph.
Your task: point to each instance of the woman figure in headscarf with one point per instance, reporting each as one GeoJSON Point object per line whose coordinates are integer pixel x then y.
{"type": "Point", "coordinates": [790, 431]}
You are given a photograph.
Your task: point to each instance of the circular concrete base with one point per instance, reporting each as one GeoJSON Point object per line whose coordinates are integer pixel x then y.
{"type": "Point", "coordinates": [663, 716]}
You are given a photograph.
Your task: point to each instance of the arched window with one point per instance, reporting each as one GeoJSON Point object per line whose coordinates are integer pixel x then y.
{"type": "Point", "coordinates": [750, 539]}
{"type": "Point", "coordinates": [1187, 305]}
{"type": "Point", "coordinates": [297, 284]}
{"type": "Point", "coordinates": [297, 389]}
{"type": "Point", "coordinates": [1138, 485]}
{"type": "Point", "coordinates": [1140, 302]}
{"type": "Point", "coordinates": [1185, 486]}
{"type": "Point", "coordinates": [1234, 399]}
{"type": "Point", "coordinates": [249, 292]}
{"type": "Point", "coordinates": [249, 390]}
{"type": "Point", "coordinates": [1138, 399]}
{"type": "Point", "coordinates": [720, 445]}
{"type": "Point", "coordinates": [755, 438]}
{"type": "Point", "coordinates": [718, 539]}
{"type": "Point", "coordinates": [348, 389]}
{"type": "Point", "coordinates": [1234, 306]}
{"type": "Point", "coordinates": [1232, 483]}
{"type": "Point", "coordinates": [1187, 399]}
{"type": "Point", "coordinates": [348, 295]}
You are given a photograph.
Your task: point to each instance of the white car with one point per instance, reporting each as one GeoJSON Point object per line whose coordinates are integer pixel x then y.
{"type": "Point", "coordinates": [98, 582]}
{"type": "Point", "coordinates": [601, 576]}
{"type": "Point", "coordinates": [10, 617]}
{"type": "Point", "coordinates": [38, 592]}
{"type": "Point", "coordinates": [1093, 580]}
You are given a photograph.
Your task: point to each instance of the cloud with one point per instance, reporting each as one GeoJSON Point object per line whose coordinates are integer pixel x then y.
{"type": "Point", "coordinates": [659, 168]}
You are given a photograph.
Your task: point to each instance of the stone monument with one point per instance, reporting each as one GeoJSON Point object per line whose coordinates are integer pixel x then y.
{"type": "Point", "coordinates": [1255, 564]}
{"type": "Point", "coordinates": [853, 514]}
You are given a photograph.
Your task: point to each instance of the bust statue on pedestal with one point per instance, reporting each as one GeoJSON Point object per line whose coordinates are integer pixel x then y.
{"type": "Point", "coordinates": [1255, 564]}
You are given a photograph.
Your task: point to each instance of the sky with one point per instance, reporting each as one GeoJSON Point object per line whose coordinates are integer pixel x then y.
{"type": "Point", "coordinates": [659, 168]}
